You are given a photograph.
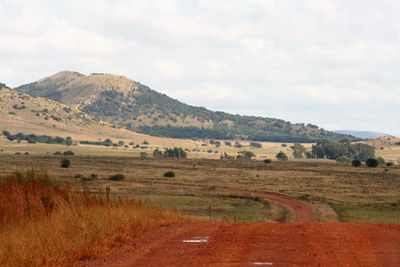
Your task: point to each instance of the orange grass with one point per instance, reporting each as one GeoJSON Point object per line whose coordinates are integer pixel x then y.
{"type": "Point", "coordinates": [42, 224]}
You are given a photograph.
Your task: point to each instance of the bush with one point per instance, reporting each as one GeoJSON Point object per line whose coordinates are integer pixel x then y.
{"type": "Point", "coordinates": [117, 177]}
{"type": "Point", "coordinates": [381, 161]}
{"type": "Point", "coordinates": [267, 161]}
{"type": "Point", "coordinates": [65, 163]}
{"type": "Point", "coordinates": [68, 153]}
{"type": "Point", "coordinates": [255, 145]}
{"type": "Point", "coordinates": [57, 153]}
{"type": "Point", "coordinates": [372, 163]}
{"type": "Point", "coordinates": [356, 163]}
{"type": "Point", "coordinates": [282, 156]}
{"type": "Point", "coordinates": [169, 174]}
{"type": "Point", "coordinates": [343, 160]}
{"type": "Point", "coordinates": [389, 164]}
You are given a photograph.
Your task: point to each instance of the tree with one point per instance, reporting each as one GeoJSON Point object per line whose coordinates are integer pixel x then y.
{"type": "Point", "coordinates": [361, 151]}
{"type": "Point", "coordinates": [298, 150]}
{"type": "Point", "coordinates": [255, 145]}
{"type": "Point", "coordinates": [175, 153]}
{"type": "Point", "coordinates": [68, 141]}
{"type": "Point", "coordinates": [331, 149]}
{"type": "Point", "coordinates": [246, 155]}
{"type": "Point", "coordinates": [372, 163]}
{"type": "Point", "coordinates": [282, 156]}
{"type": "Point", "coordinates": [356, 163]}
{"type": "Point", "coordinates": [157, 153]}
{"type": "Point", "coordinates": [65, 163]}
{"type": "Point", "coordinates": [108, 142]}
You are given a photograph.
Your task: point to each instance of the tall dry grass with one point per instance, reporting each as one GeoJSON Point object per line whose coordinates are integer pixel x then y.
{"type": "Point", "coordinates": [43, 224]}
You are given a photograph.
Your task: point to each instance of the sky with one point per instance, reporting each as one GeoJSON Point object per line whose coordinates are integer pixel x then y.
{"type": "Point", "coordinates": [334, 63]}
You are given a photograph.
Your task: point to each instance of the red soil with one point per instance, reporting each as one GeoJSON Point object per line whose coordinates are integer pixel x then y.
{"type": "Point", "coordinates": [263, 244]}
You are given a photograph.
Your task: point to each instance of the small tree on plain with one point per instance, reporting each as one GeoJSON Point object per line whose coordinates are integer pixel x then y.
{"type": "Point", "coordinates": [356, 163]}
{"type": "Point", "coordinates": [372, 163]}
{"type": "Point", "coordinates": [282, 156]}
{"type": "Point", "coordinates": [65, 163]}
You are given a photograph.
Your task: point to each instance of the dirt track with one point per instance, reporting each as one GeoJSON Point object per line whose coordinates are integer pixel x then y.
{"type": "Point", "coordinates": [303, 244]}
{"type": "Point", "coordinates": [263, 244]}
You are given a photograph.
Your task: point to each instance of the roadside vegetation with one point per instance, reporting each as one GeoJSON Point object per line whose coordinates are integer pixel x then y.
{"type": "Point", "coordinates": [45, 224]}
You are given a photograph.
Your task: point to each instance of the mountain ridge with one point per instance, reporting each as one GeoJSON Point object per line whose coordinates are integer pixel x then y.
{"type": "Point", "coordinates": [364, 134]}
{"type": "Point", "coordinates": [129, 104]}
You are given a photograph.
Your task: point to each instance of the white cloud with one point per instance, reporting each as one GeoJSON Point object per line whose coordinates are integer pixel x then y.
{"type": "Point", "coordinates": [313, 61]}
{"type": "Point", "coordinates": [170, 68]}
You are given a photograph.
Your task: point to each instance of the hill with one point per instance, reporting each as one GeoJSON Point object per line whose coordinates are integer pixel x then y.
{"type": "Point", "coordinates": [131, 105]}
{"type": "Point", "coordinates": [36, 115]}
{"type": "Point", "coordinates": [364, 134]}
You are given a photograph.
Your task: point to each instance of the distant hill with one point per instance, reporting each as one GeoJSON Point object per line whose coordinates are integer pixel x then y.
{"type": "Point", "coordinates": [364, 134]}
{"type": "Point", "coordinates": [131, 105]}
{"type": "Point", "coordinates": [22, 113]}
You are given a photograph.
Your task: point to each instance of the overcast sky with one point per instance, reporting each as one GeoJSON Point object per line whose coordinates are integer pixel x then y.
{"type": "Point", "coordinates": [334, 63]}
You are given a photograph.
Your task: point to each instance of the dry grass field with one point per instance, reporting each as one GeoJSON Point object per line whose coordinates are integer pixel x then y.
{"type": "Point", "coordinates": [197, 149]}
{"type": "Point", "coordinates": [45, 224]}
{"type": "Point", "coordinates": [356, 194]}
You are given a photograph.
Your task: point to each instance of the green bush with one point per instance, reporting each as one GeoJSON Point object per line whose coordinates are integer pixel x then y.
{"type": "Point", "coordinates": [372, 163]}
{"type": "Point", "coordinates": [282, 156]}
{"type": "Point", "coordinates": [65, 163]}
{"type": "Point", "coordinates": [117, 177]}
{"type": "Point", "coordinates": [169, 174]}
{"type": "Point", "coordinates": [343, 160]}
{"type": "Point", "coordinates": [356, 163]}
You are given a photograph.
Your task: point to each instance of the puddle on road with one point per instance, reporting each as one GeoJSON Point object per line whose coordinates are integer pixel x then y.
{"type": "Point", "coordinates": [262, 263]}
{"type": "Point", "coordinates": [196, 239]}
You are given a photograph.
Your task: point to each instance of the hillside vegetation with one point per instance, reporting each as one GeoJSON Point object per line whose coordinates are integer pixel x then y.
{"type": "Point", "coordinates": [131, 105]}
{"type": "Point", "coordinates": [25, 114]}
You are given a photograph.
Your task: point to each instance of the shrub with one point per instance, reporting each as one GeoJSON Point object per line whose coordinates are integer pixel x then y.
{"type": "Point", "coordinates": [298, 150]}
{"type": "Point", "coordinates": [169, 174]}
{"type": "Point", "coordinates": [57, 153]}
{"type": "Point", "coordinates": [255, 145]}
{"type": "Point", "coordinates": [381, 161]}
{"type": "Point", "coordinates": [65, 163]}
{"type": "Point", "coordinates": [389, 164]}
{"type": "Point", "coordinates": [372, 163]}
{"type": "Point", "coordinates": [343, 160]}
{"type": "Point", "coordinates": [117, 177]}
{"type": "Point", "coordinates": [356, 163]}
{"type": "Point", "coordinates": [68, 153]}
{"type": "Point", "coordinates": [246, 155]}
{"type": "Point", "coordinates": [267, 161]}
{"type": "Point", "coordinates": [282, 156]}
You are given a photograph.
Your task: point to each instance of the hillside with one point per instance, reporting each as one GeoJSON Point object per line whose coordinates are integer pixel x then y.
{"type": "Point", "coordinates": [364, 134]}
{"type": "Point", "coordinates": [131, 105]}
{"type": "Point", "coordinates": [35, 115]}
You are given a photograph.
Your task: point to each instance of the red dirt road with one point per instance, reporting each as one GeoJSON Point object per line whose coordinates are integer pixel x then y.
{"type": "Point", "coordinates": [263, 244]}
{"type": "Point", "coordinates": [304, 244]}
{"type": "Point", "coordinates": [302, 211]}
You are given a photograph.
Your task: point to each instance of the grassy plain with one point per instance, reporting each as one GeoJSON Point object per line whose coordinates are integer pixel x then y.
{"type": "Point", "coordinates": [201, 182]}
